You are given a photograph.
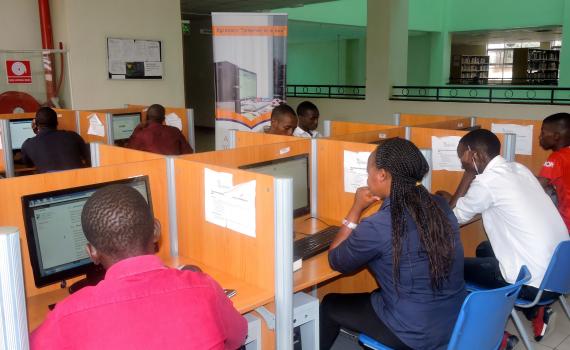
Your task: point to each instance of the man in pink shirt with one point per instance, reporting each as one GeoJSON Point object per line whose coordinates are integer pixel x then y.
{"type": "Point", "coordinates": [141, 304]}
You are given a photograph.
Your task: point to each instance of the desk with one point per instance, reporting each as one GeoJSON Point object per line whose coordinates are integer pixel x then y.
{"type": "Point", "coordinates": [248, 297]}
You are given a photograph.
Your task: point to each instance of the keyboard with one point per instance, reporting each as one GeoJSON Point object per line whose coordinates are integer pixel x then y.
{"type": "Point", "coordinates": [314, 244]}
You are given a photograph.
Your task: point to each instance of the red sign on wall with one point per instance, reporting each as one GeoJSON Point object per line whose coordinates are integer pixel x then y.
{"type": "Point", "coordinates": [18, 72]}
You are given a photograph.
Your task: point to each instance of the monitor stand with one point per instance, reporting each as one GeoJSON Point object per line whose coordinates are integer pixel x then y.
{"type": "Point", "coordinates": [92, 277]}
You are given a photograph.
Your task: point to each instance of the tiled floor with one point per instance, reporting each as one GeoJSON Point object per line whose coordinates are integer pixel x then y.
{"type": "Point", "coordinates": [560, 337]}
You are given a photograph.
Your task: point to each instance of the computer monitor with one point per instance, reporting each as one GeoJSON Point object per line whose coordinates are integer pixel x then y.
{"type": "Point", "coordinates": [247, 84]}
{"type": "Point", "coordinates": [56, 241]}
{"type": "Point", "coordinates": [297, 168]}
{"type": "Point", "coordinates": [124, 125]}
{"type": "Point", "coordinates": [20, 131]}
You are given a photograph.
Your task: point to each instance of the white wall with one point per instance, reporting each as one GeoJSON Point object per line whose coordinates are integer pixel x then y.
{"type": "Point", "coordinates": [84, 25]}
{"type": "Point", "coordinates": [383, 70]}
{"type": "Point", "coordinates": [19, 25]}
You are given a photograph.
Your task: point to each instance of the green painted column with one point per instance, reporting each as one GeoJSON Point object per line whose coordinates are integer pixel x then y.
{"type": "Point", "coordinates": [565, 50]}
{"type": "Point", "coordinates": [440, 56]}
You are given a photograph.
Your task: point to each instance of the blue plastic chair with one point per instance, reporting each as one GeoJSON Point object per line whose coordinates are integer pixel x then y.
{"type": "Point", "coordinates": [556, 279]}
{"type": "Point", "coordinates": [481, 321]}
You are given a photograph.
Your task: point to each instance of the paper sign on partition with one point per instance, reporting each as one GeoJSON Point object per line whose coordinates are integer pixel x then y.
{"type": "Point", "coordinates": [523, 144]}
{"type": "Point", "coordinates": [227, 205]}
{"type": "Point", "coordinates": [95, 126]}
{"type": "Point", "coordinates": [172, 119]}
{"type": "Point", "coordinates": [355, 173]}
{"type": "Point", "coordinates": [444, 153]}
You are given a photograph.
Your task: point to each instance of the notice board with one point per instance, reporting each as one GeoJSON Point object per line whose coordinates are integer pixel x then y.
{"type": "Point", "coordinates": [134, 59]}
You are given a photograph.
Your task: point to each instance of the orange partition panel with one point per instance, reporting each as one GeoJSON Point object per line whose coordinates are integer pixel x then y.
{"type": "Point", "coordinates": [13, 189]}
{"type": "Point", "coordinates": [332, 202]}
{"type": "Point", "coordinates": [250, 138]}
{"type": "Point", "coordinates": [533, 162]}
{"type": "Point", "coordinates": [247, 258]}
{"type": "Point", "coordinates": [420, 119]}
{"type": "Point", "coordinates": [84, 126]}
{"type": "Point", "coordinates": [66, 119]}
{"type": "Point", "coordinates": [234, 158]}
{"type": "Point", "coordinates": [372, 136]}
{"type": "Point", "coordinates": [342, 128]}
{"type": "Point", "coordinates": [452, 124]}
{"type": "Point", "coordinates": [111, 155]}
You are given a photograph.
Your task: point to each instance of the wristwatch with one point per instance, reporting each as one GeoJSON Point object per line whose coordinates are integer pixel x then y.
{"type": "Point", "coordinates": [350, 225]}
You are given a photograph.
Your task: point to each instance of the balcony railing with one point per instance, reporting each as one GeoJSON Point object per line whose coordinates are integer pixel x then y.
{"type": "Point", "coordinates": [354, 92]}
{"type": "Point", "coordinates": [483, 94]}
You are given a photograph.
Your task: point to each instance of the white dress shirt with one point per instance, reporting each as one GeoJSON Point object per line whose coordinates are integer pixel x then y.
{"type": "Point", "coordinates": [302, 133]}
{"type": "Point", "coordinates": [523, 225]}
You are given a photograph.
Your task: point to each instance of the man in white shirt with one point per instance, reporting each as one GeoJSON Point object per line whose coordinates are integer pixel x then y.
{"type": "Point", "coordinates": [308, 115]}
{"type": "Point", "coordinates": [522, 224]}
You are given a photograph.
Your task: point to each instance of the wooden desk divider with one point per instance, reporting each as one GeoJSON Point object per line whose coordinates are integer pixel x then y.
{"type": "Point", "coordinates": [535, 161]}
{"type": "Point", "coordinates": [66, 121]}
{"type": "Point", "coordinates": [451, 124]}
{"type": "Point", "coordinates": [114, 155]}
{"type": "Point", "coordinates": [104, 118]}
{"type": "Point", "coordinates": [342, 127]}
{"type": "Point", "coordinates": [235, 260]}
{"type": "Point", "coordinates": [372, 136]}
{"type": "Point", "coordinates": [404, 119]}
{"type": "Point", "coordinates": [14, 188]}
{"type": "Point", "coordinates": [249, 138]}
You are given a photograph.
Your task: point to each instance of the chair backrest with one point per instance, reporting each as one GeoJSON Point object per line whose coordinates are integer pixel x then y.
{"type": "Point", "coordinates": [483, 316]}
{"type": "Point", "coordinates": [557, 276]}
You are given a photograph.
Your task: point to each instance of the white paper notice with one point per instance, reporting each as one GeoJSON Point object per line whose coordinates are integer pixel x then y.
{"type": "Point", "coordinates": [95, 126]}
{"type": "Point", "coordinates": [117, 67]}
{"type": "Point", "coordinates": [172, 119]}
{"type": "Point", "coordinates": [227, 205]}
{"type": "Point", "coordinates": [153, 69]}
{"type": "Point", "coordinates": [355, 174]}
{"type": "Point", "coordinates": [284, 150]}
{"type": "Point", "coordinates": [444, 153]}
{"type": "Point", "coordinates": [523, 144]}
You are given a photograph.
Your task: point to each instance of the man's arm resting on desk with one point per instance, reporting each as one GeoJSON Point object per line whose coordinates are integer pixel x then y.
{"type": "Point", "coordinates": [233, 323]}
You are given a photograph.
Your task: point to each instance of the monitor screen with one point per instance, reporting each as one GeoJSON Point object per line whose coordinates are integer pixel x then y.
{"type": "Point", "coordinates": [297, 168]}
{"type": "Point", "coordinates": [53, 229]}
{"type": "Point", "coordinates": [247, 84]}
{"type": "Point", "coordinates": [124, 125]}
{"type": "Point", "coordinates": [20, 131]}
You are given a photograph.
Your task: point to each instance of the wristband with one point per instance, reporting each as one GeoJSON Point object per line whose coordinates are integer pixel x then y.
{"type": "Point", "coordinates": [350, 225]}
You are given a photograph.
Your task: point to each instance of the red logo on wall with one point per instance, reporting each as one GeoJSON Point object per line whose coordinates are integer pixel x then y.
{"type": "Point", "coordinates": [18, 72]}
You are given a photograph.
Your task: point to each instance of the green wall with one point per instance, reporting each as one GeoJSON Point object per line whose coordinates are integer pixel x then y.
{"type": "Point", "coordinates": [419, 56]}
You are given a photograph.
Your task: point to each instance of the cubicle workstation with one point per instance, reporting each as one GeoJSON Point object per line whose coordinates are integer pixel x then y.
{"type": "Point", "coordinates": [182, 118]}
{"type": "Point", "coordinates": [17, 128]}
{"type": "Point", "coordinates": [248, 138]}
{"type": "Point", "coordinates": [110, 126]}
{"type": "Point", "coordinates": [46, 187]}
{"type": "Point", "coordinates": [335, 128]}
{"type": "Point", "coordinates": [406, 119]}
{"type": "Point", "coordinates": [375, 137]}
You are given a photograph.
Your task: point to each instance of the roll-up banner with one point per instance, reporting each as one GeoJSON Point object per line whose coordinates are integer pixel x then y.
{"type": "Point", "coordinates": [250, 53]}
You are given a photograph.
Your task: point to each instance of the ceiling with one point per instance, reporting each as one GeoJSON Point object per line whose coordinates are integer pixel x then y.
{"type": "Point", "coordinates": [541, 34]}
{"type": "Point", "coordinates": [207, 6]}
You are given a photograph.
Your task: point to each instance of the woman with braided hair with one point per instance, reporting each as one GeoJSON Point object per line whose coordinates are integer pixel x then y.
{"type": "Point", "coordinates": [411, 246]}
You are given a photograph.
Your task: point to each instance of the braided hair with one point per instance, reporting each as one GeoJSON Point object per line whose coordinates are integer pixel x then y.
{"type": "Point", "coordinates": [407, 166]}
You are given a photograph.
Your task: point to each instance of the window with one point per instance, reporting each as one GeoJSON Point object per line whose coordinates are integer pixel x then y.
{"type": "Point", "coordinates": [501, 60]}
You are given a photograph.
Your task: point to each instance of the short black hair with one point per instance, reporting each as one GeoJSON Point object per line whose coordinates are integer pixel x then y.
{"type": "Point", "coordinates": [46, 117]}
{"type": "Point", "coordinates": [484, 141]}
{"type": "Point", "coordinates": [155, 113]}
{"type": "Point", "coordinates": [118, 221]}
{"type": "Point", "coordinates": [282, 110]}
{"type": "Point", "coordinates": [305, 106]}
{"type": "Point", "coordinates": [562, 120]}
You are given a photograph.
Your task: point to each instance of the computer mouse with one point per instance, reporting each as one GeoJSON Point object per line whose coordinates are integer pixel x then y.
{"type": "Point", "coordinates": [190, 268]}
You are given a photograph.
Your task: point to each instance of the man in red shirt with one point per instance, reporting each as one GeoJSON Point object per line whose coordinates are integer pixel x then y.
{"type": "Point", "coordinates": [555, 136]}
{"type": "Point", "coordinates": [153, 136]}
{"type": "Point", "coordinates": [141, 304]}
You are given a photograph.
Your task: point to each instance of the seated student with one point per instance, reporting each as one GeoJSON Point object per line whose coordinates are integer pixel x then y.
{"type": "Point", "coordinates": [141, 304]}
{"type": "Point", "coordinates": [555, 136]}
{"type": "Point", "coordinates": [52, 149]}
{"type": "Point", "coordinates": [308, 115]}
{"type": "Point", "coordinates": [413, 249]}
{"type": "Point", "coordinates": [283, 120]}
{"type": "Point", "coordinates": [520, 220]}
{"type": "Point", "coordinates": [153, 136]}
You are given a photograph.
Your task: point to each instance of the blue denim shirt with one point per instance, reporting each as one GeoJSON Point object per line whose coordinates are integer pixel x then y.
{"type": "Point", "coordinates": [421, 317]}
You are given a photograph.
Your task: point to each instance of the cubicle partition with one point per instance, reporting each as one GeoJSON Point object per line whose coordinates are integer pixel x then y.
{"type": "Point", "coordinates": [371, 137]}
{"type": "Point", "coordinates": [404, 119]}
{"type": "Point", "coordinates": [451, 124]}
{"type": "Point", "coordinates": [537, 156]}
{"type": "Point", "coordinates": [337, 128]}
{"type": "Point", "coordinates": [249, 138]}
